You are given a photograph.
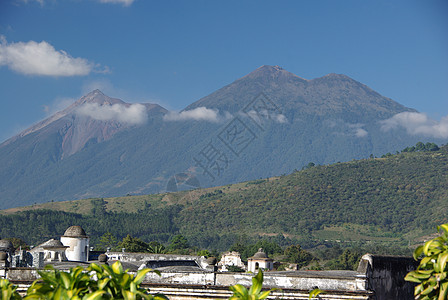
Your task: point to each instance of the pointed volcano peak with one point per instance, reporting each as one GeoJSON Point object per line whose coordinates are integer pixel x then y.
{"type": "Point", "coordinates": [270, 68]}
{"type": "Point", "coordinates": [98, 97]}
{"type": "Point", "coordinates": [272, 72]}
{"type": "Point", "coordinates": [95, 93]}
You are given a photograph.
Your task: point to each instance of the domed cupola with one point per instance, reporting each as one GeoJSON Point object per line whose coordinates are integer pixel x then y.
{"type": "Point", "coordinates": [78, 244]}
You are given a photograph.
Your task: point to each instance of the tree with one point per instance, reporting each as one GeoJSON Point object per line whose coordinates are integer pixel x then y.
{"type": "Point", "coordinates": [309, 166]}
{"type": "Point", "coordinates": [297, 255]}
{"type": "Point", "coordinates": [205, 253]}
{"type": "Point", "coordinates": [156, 247]}
{"type": "Point", "coordinates": [132, 244]}
{"type": "Point", "coordinates": [17, 243]}
{"type": "Point", "coordinates": [179, 242]}
{"type": "Point", "coordinates": [349, 259]}
{"type": "Point", "coordinates": [420, 146]}
{"type": "Point", "coordinates": [107, 240]}
{"type": "Point", "coordinates": [431, 147]}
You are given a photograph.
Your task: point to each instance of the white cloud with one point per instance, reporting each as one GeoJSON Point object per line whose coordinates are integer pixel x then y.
{"type": "Point", "coordinates": [198, 114]}
{"type": "Point", "coordinates": [134, 114]}
{"type": "Point", "coordinates": [41, 2]}
{"type": "Point", "coordinates": [124, 2]}
{"type": "Point", "coordinates": [361, 132]}
{"type": "Point", "coordinates": [32, 58]}
{"type": "Point", "coordinates": [417, 124]}
{"type": "Point", "coordinates": [259, 116]}
{"type": "Point", "coordinates": [280, 118]}
{"type": "Point", "coordinates": [357, 129]}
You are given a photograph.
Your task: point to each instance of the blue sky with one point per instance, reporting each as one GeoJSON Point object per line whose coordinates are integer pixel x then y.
{"type": "Point", "coordinates": [175, 52]}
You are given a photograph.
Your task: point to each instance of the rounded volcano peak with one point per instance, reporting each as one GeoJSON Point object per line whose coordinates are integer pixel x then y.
{"type": "Point", "coordinates": [272, 72]}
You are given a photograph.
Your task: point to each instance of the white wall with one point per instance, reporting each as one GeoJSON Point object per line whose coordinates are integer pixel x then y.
{"type": "Point", "coordinates": [78, 248]}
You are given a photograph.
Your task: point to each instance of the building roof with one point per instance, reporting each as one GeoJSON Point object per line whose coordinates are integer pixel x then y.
{"type": "Point", "coordinates": [260, 255]}
{"type": "Point", "coordinates": [6, 245]}
{"type": "Point", "coordinates": [75, 231]}
{"type": "Point", "coordinates": [53, 244]}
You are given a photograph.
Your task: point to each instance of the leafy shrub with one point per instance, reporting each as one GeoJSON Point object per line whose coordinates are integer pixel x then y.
{"type": "Point", "coordinates": [254, 292]}
{"type": "Point", "coordinates": [431, 274]}
{"type": "Point", "coordinates": [94, 283]}
{"type": "Point", "coordinates": [8, 291]}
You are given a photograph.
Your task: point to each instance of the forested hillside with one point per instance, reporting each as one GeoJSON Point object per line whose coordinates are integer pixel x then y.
{"type": "Point", "coordinates": [392, 200]}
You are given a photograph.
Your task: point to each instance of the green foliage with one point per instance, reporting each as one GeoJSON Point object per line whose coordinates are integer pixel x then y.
{"type": "Point", "coordinates": [347, 260]}
{"type": "Point", "coordinates": [432, 272]}
{"type": "Point", "coordinates": [117, 283]}
{"type": "Point", "coordinates": [211, 195]}
{"type": "Point", "coordinates": [34, 226]}
{"type": "Point", "coordinates": [19, 243]}
{"type": "Point", "coordinates": [133, 244]}
{"type": "Point", "coordinates": [205, 253]}
{"type": "Point", "coordinates": [309, 165]}
{"type": "Point", "coordinates": [387, 200]}
{"type": "Point", "coordinates": [295, 254]}
{"type": "Point", "coordinates": [97, 282]}
{"type": "Point", "coordinates": [315, 293]}
{"type": "Point", "coordinates": [57, 284]}
{"type": "Point", "coordinates": [107, 240]}
{"type": "Point", "coordinates": [254, 292]}
{"type": "Point", "coordinates": [8, 291]}
{"type": "Point", "coordinates": [178, 244]}
{"type": "Point", "coordinates": [156, 247]}
{"type": "Point", "coordinates": [98, 207]}
{"type": "Point", "coordinates": [422, 147]}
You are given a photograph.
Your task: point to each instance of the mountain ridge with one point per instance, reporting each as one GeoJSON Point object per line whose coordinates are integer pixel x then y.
{"type": "Point", "coordinates": [290, 91]}
{"type": "Point", "coordinates": [283, 121]}
{"type": "Point", "coordinates": [76, 130]}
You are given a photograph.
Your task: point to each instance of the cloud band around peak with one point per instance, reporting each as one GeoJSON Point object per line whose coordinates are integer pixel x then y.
{"type": "Point", "coordinates": [417, 124]}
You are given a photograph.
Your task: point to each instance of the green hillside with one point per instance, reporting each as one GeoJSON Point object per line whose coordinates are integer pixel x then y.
{"type": "Point", "coordinates": [394, 200]}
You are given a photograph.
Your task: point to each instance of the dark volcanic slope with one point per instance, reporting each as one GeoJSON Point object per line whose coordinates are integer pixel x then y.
{"type": "Point", "coordinates": [271, 122]}
{"type": "Point", "coordinates": [333, 95]}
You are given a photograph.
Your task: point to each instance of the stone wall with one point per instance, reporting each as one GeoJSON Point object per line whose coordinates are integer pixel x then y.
{"type": "Point", "coordinates": [386, 274]}
{"type": "Point", "coordinates": [377, 277]}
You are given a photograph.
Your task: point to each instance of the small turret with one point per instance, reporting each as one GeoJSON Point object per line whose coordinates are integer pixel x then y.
{"type": "Point", "coordinates": [78, 244]}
